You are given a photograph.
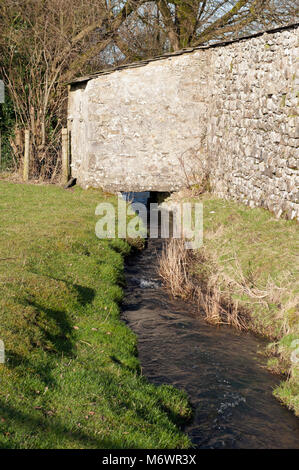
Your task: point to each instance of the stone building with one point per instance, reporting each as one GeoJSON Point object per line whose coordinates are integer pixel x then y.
{"type": "Point", "coordinates": [225, 111]}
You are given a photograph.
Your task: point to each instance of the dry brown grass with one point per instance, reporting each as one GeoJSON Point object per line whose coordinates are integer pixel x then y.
{"type": "Point", "coordinates": [175, 268]}
{"type": "Point", "coordinates": [197, 276]}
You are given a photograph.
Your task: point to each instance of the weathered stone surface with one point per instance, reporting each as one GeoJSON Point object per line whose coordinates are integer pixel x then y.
{"type": "Point", "coordinates": [232, 109]}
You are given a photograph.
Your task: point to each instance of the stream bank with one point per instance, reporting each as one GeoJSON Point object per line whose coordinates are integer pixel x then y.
{"type": "Point", "coordinates": [246, 275]}
{"type": "Point", "coordinates": [220, 368]}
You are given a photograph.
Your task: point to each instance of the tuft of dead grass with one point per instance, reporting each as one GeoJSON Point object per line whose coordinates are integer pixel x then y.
{"type": "Point", "coordinates": [203, 287]}
{"type": "Point", "coordinates": [173, 264]}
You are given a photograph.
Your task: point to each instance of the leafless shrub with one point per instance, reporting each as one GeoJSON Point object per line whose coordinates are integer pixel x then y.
{"type": "Point", "coordinates": [196, 169]}
{"type": "Point", "coordinates": [43, 45]}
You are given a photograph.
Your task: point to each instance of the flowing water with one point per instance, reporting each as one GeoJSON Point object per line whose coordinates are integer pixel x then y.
{"type": "Point", "coordinates": [221, 369]}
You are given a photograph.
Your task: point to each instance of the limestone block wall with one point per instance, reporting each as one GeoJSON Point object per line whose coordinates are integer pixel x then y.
{"type": "Point", "coordinates": [230, 110]}
{"type": "Point", "coordinates": [253, 130]}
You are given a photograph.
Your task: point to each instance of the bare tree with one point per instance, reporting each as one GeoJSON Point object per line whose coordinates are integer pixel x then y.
{"type": "Point", "coordinates": [43, 44]}
{"type": "Point", "coordinates": [163, 25]}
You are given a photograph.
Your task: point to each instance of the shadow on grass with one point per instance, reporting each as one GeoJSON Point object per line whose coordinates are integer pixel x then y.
{"type": "Point", "coordinates": [28, 426]}
{"type": "Point", "coordinates": [61, 340]}
{"type": "Point", "coordinates": [23, 365]}
{"type": "Point", "coordinates": [126, 400]}
{"type": "Point", "coordinates": [85, 295]}
{"type": "Point", "coordinates": [54, 339]}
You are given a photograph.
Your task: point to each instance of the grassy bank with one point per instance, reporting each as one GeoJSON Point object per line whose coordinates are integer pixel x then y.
{"type": "Point", "coordinates": [246, 274]}
{"type": "Point", "coordinates": [72, 378]}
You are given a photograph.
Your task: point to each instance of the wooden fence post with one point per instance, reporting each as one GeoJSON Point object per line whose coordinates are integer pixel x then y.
{"type": "Point", "coordinates": [65, 156]}
{"type": "Point", "coordinates": [26, 157]}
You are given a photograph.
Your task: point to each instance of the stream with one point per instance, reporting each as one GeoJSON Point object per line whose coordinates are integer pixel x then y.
{"type": "Point", "coordinates": [220, 368]}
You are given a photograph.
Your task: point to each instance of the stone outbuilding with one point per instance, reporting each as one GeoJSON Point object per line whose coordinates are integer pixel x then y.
{"type": "Point", "coordinates": [227, 112]}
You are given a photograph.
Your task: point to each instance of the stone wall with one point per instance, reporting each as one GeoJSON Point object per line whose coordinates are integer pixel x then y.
{"type": "Point", "coordinates": [228, 110]}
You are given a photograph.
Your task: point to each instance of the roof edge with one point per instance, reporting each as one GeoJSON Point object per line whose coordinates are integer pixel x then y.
{"type": "Point", "coordinates": [188, 50]}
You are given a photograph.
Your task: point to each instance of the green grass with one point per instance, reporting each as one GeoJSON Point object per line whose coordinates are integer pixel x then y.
{"type": "Point", "coordinates": [72, 377]}
{"type": "Point", "coordinates": [258, 259]}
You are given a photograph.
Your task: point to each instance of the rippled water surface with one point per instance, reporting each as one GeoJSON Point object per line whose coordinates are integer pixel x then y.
{"type": "Point", "coordinates": [219, 368]}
